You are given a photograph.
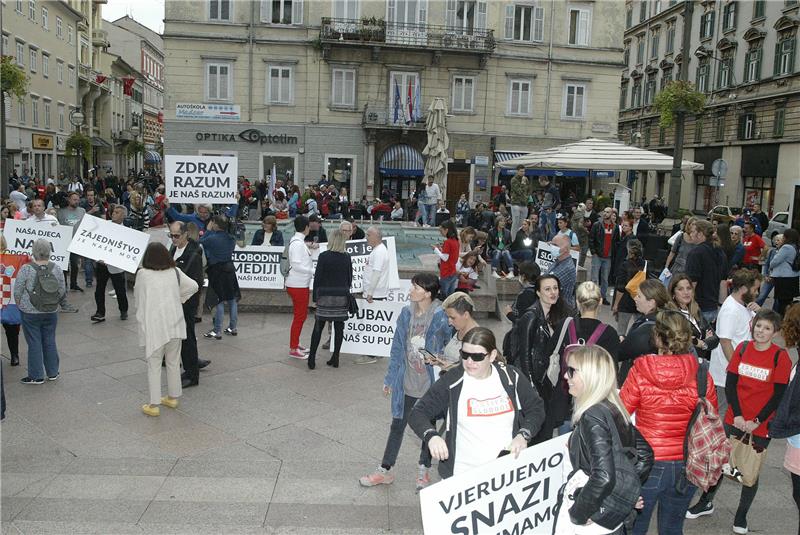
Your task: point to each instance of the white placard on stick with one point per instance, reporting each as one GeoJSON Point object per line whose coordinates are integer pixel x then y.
{"type": "Point", "coordinates": [359, 252]}
{"type": "Point", "coordinates": [506, 495]}
{"type": "Point", "coordinates": [114, 244]}
{"type": "Point", "coordinates": [201, 179]}
{"type": "Point", "coordinates": [370, 332]}
{"type": "Point", "coordinates": [258, 267]}
{"type": "Point", "coordinates": [546, 253]}
{"type": "Point", "coordinates": [20, 235]}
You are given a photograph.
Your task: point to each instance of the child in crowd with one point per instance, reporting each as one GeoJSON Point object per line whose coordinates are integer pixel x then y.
{"type": "Point", "coordinates": [467, 272]}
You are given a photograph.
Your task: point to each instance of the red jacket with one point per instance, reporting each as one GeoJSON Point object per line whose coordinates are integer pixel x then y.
{"type": "Point", "coordinates": [662, 391]}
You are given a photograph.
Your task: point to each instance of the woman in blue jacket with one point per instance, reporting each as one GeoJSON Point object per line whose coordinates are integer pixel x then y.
{"type": "Point", "coordinates": [422, 326]}
{"type": "Point", "coordinates": [783, 275]}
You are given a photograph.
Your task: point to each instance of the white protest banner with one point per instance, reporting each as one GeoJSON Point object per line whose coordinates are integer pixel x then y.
{"type": "Point", "coordinates": [359, 252]}
{"type": "Point", "coordinates": [258, 267]}
{"type": "Point", "coordinates": [370, 332]}
{"type": "Point", "coordinates": [114, 244]}
{"type": "Point", "coordinates": [20, 235]}
{"type": "Point", "coordinates": [506, 496]}
{"type": "Point", "coordinates": [545, 253]}
{"type": "Point", "coordinates": [201, 179]}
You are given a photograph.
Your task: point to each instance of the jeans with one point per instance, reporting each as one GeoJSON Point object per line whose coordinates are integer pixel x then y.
{"type": "Point", "coordinates": [518, 213]}
{"type": "Point", "coordinates": [505, 255]}
{"type": "Point", "coordinates": [299, 298]}
{"type": "Point", "coordinates": [395, 440]}
{"type": "Point", "coordinates": [547, 224]}
{"type": "Point", "coordinates": [88, 270]}
{"type": "Point", "coordinates": [422, 214]}
{"type": "Point", "coordinates": [430, 213]}
{"type": "Point", "coordinates": [766, 289]}
{"type": "Point", "coordinates": [601, 267]}
{"type": "Point", "coordinates": [117, 281]}
{"type": "Point", "coordinates": [40, 334]}
{"type": "Point", "coordinates": [219, 314]}
{"type": "Point", "coordinates": [74, 265]}
{"type": "Point", "coordinates": [672, 505]}
{"type": "Point", "coordinates": [168, 353]}
{"type": "Point", "coordinates": [448, 285]}
{"type": "Point", "coordinates": [522, 255]}
{"type": "Point", "coordinates": [189, 344]}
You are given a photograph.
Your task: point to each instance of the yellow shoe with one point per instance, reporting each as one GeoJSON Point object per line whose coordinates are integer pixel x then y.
{"type": "Point", "coordinates": [150, 411]}
{"type": "Point", "coordinates": [171, 403]}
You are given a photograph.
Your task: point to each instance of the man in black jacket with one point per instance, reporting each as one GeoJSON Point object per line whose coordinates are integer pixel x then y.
{"type": "Point", "coordinates": [189, 259]}
{"type": "Point", "coordinates": [600, 244]}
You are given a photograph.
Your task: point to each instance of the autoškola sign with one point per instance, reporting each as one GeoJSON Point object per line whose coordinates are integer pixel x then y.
{"type": "Point", "coordinates": [251, 135]}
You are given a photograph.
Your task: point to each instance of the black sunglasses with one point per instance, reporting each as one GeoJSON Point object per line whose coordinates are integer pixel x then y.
{"type": "Point", "coordinates": [476, 357]}
{"type": "Point", "coordinates": [571, 371]}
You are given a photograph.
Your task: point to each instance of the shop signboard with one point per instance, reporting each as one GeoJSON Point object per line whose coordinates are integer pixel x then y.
{"type": "Point", "coordinates": [208, 112]}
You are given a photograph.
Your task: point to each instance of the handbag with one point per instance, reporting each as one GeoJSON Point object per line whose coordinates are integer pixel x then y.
{"type": "Point", "coordinates": [746, 460]}
{"type": "Point", "coordinates": [633, 285]}
{"type": "Point", "coordinates": [554, 367]}
{"type": "Point", "coordinates": [352, 305]}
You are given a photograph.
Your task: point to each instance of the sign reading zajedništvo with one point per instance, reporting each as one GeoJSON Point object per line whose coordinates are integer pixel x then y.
{"type": "Point", "coordinates": [370, 332]}
{"type": "Point", "coordinates": [201, 179]}
{"type": "Point", "coordinates": [116, 245]}
{"type": "Point", "coordinates": [20, 235]}
{"type": "Point", "coordinates": [546, 253]}
{"type": "Point", "coordinates": [359, 251]}
{"type": "Point", "coordinates": [258, 267]}
{"type": "Point", "coordinates": [504, 496]}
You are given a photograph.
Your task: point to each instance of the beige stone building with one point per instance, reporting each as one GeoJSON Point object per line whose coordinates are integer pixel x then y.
{"type": "Point", "coordinates": [42, 36]}
{"type": "Point", "coordinates": [342, 87]}
{"type": "Point", "coordinates": [743, 56]}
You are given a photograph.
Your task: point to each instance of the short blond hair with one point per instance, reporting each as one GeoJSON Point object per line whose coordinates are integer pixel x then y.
{"type": "Point", "coordinates": [336, 241]}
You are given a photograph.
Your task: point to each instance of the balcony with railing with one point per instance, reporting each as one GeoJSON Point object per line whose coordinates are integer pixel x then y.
{"type": "Point", "coordinates": [377, 34]}
{"type": "Point", "coordinates": [397, 116]}
{"type": "Point", "coordinates": [100, 38]}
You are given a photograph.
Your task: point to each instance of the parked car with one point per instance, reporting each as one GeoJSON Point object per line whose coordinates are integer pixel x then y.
{"type": "Point", "coordinates": [778, 223]}
{"type": "Point", "coordinates": [724, 214]}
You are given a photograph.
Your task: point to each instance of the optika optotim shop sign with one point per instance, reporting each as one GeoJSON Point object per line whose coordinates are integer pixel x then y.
{"type": "Point", "coordinates": [251, 135]}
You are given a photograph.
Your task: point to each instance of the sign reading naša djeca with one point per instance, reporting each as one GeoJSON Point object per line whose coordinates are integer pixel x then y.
{"type": "Point", "coordinates": [201, 179]}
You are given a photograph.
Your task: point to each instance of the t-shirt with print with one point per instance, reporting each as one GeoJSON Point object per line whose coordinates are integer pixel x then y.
{"type": "Point", "coordinates": [571, 236]}
{"type": "Point", "coordinates": [753, 246]}
{"type": "Point", "coordinates": [733, 323]}
{"type": "Point", "coordinates": [757, 378]}
{"type": "Point", "coordinates": [485, 421]}
{"type": "Point", "coordinates": [415, 379]}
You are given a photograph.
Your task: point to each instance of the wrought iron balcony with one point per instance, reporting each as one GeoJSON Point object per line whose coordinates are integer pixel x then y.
{"type": "Point", "coordinates": [378, 116]}
{"type": "Point", "coordinates": [379, 33]}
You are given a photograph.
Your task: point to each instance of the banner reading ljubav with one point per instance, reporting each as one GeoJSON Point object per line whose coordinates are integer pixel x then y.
{"type": "Point", "coordinates": [359, 252]}
{"type": "Point", "coordinates": [370, 332]}
{"type": "Point", "coordinates": [20, 235]}
{"type": "Point", "coordinates": [201, 179]}
{"type": "Point", "coordinates": [116, 245]}
{"type": "Point", "coordinates": [258, 267]}
{"type": "Point", "coordinates": [506, 495]}
{"type": "Point", "coordinates": [545, 253]}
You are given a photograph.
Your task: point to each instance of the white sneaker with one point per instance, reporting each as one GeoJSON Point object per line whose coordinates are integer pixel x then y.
{"type": "Point", "coordinates": [112, 293]}
{"type": "Point", "coordinates": [496, 275]}
{"type": "Point", "coordinates": [510, 277]}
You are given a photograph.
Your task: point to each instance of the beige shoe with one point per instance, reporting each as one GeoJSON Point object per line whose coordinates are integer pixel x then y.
{"type": "Point", "coordinates": [150, 411]}
{"type": "Point", "coordinates": [171, 403]}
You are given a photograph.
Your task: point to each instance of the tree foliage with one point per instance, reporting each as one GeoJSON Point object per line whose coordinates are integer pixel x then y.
{"type": "Point", "coordinates": [678, 96]}
{"type": "Point", "coordinates": [133, 148]}
{"type": "Point", "coordinates": [79, 143]}
{"type": "Point", "coordinates": [13, 79]}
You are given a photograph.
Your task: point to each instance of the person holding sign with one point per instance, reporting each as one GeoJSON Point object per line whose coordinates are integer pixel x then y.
{"type": "Point", "coordinates": [598, 491]}
{"type": "Point", "coordinates": [104, 272]}
{"type": "Point", "coordinates": [218, 246]}
{"type": "Point", "coordinates": [421, 333]}
{"type": "Point", "coordinates": [201, 215]}
{"type": "Point", "coordinates": [490, 408]}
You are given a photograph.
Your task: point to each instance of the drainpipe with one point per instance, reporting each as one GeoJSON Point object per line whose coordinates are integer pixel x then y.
{"type": "Point", "coordinates": [250, 29]}
{"type": "Point", "coordinates": [549, 69]}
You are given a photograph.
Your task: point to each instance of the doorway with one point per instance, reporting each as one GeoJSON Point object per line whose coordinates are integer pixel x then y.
{"type": "Point", "coordinates": [457, 183]}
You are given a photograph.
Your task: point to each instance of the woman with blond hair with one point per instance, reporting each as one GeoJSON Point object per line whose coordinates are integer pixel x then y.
{"type": "Point", "coordinates": [603, 430]}
{"type": "Point", "coordinates": [332, 280]}
{"type": "Point", "coordinates": [138, 215]}
{"type": "Point", "coordinates": [661, 390]}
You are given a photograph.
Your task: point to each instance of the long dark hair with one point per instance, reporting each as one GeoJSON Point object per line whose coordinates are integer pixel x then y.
{"type": "Point", "coordinates": [157, 257]}
{"type": "Point", "coordinates": [450, 227]}
{"type": "Point", "coordinates": [560, 310]}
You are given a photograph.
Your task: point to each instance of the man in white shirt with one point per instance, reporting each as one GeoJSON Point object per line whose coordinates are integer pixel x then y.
{"type": "Point", "coordinates": [375, 283]}
{"type": "Point", "coordinates": [38, 213]}
{"type": "Point", "coordinates": [432, 197]}
{"type": "Point", "coordinates": [733, 325]}
{"type": "Point", "coordinates": [19, 198]}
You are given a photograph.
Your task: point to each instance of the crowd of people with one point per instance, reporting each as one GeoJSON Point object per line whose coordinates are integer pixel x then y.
{"type": "Point", "coordinates": [697, 335]}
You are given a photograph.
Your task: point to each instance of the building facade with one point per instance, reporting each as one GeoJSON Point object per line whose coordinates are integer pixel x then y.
{"type": "Point", "coordinates": [342, 88]}
{"type": "Point", "coordinates": [42, 37]}
{"type": "Point", "coordinates": [743, 57]}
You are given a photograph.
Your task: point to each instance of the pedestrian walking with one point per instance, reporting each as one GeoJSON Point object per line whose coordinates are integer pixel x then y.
{"type": "Point", "coordinates": [600, 245]}
{"type": "Point", "coordinates": [105, 272]}
{"type": "Point", "coordinates": [448, 257]}
{"type": "Point", "coordinates": [520, 191]}
{"type": "Point", "coordinates": [223, 286]}
{"type": "Point", "coordinates": [785, 277]}
{"type": "Point", "coordinates": [706, 270]}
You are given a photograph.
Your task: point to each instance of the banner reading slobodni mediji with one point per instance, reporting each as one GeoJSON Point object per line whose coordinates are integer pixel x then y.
{"type": "Point", "coordinates": [258, 267]}
{"type": "Point", "coordinates": [359, 251]}
{"type": "Point", "coordinates": [545, 253]}
{"type": "Point", "coordinates": [20, 235]}
{"type": "Point", "coordinates": [114, 244]}
{"type": "Point", "coordinates": [370, 332]}
{"type": "Point", "coordinates": [201, 179]}
{"type": "Point", "coordinates": [505, 496]}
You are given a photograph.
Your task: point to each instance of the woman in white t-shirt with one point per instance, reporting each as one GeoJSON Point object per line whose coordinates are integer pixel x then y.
{"type": "Point", "coordinates": [490, 409]}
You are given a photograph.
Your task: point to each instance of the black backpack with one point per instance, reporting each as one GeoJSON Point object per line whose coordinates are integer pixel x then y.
{"type": "Point", "coordinates": [796, 261]}
{"type": "Point", "coordinates": [46, 293]}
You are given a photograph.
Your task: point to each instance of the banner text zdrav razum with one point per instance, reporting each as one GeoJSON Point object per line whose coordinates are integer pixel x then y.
{"type": "Point", "coordinates": [201, 179]}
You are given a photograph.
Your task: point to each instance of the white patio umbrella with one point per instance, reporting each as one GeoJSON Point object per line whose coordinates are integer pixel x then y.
{"type": "Point", "coordinates": [435, 151]}
{"type": "Point", "coordinates": [598, 155]}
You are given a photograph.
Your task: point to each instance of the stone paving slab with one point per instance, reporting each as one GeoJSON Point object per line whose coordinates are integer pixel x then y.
{"type": "Point", "coordinates": [262, 446]}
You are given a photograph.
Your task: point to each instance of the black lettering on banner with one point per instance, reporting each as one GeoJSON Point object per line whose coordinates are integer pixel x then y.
{"type": "Point", "coordinates": [216, 182]}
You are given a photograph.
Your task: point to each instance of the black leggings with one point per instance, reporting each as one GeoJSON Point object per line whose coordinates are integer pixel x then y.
{"type": "Point", "coordinates": [12, 335]}
{"type": "Point", "coordinates": [796, 496]}
{"type": "Point", "coordinates": [316, 335]}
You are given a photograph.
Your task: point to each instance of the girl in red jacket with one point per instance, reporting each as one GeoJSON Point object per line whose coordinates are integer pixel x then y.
{"type": "Point", "coordinates": [662, 392]}
{"type": "Point", "coordinates": [448, 256]}
{"type": "Point", "coordinates": [757, 377]}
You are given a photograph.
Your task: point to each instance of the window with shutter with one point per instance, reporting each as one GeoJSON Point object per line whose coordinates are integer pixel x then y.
{"type": "Point", "coordinates": [450, 14]}
{"type": "Point", "coordinates": [480, 20]}
{"type": "Point", "coordinates": [519, 97]}
{"type": "Point", "coordinates": [463, 93]}
{"type": "Point", "coordinates": [574, 101]}
{"type": "Point", "coordinates": [778, 121]}
{"type": "Point", "coordinates": [508, 32]}
{"type": "Point", "coordinates": [283, 11]}
{"type": "Point", "coordinates": [579, 26]}
{"type": "Point", "coordinates": [538, 24]}
{"type": "Point", "coordinates": [219, 10]}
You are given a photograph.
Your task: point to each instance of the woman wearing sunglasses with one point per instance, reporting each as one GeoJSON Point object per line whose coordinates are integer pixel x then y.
{"type": "Point", "coordinates": [491, 409]}
{"type": "Point", "coordinates": [602, 429]}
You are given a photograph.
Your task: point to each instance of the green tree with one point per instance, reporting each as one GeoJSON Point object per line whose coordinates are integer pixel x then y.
{"type": "Point", "coordinates": [677, 96]}
{"type": "Point", "coordinates": [13, 82]}
{"type": "Point", "coordinates": [134, 148]}
{"type": "Point", "coordinates": [78, 143]}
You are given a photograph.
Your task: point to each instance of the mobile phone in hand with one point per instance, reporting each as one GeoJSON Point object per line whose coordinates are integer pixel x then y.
{"type": "Point", "coordinates": [503, 453]}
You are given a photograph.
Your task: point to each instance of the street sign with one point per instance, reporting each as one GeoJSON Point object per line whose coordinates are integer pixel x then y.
{"type": "Point", "coordinates": [719, 168]}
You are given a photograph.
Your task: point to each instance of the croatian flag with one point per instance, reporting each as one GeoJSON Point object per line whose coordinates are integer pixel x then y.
{"type": "Point", "coordinates": [417, 97]}
{"type": "Point", "coordinates": [410, 118]}
{"type": "Point", "coordinates": [398, 106]}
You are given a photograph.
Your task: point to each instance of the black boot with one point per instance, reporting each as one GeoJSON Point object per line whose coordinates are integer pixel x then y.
{"type": "Point", "coordinates": [311, 361]}
{"type": "Point", "coordinates": [334, 361]}
{"type": "Point", "coordinates": [15, 360]}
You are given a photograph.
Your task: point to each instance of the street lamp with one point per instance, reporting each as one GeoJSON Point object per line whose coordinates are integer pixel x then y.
{"type": "Point", "coordinates": [76, 118]}
{"type": "Point", "coordinates": [135, 131]}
